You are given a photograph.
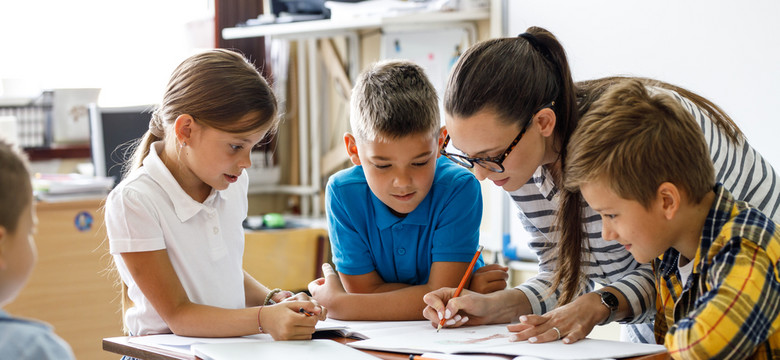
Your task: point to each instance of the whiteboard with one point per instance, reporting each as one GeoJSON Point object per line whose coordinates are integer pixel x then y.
{"type": "Point", "coordinates": [726, 51]}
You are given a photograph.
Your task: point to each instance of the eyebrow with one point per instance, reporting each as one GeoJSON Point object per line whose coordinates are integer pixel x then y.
{"type": "Point", "coordinates": [382, 158]}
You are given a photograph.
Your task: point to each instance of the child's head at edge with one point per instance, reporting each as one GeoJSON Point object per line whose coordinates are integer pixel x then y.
{"type": "Point", "coordinates": [219, 88]}
{"type": "Point", "coordinates": [642, 147]}
{"type": "Point", "coordinates": [395, 132]}
{"type": "Point", "coordinates": [17, 222]}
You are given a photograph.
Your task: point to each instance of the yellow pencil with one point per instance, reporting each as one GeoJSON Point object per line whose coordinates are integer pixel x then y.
{"type": "Point", "coordinates": [463, 282]}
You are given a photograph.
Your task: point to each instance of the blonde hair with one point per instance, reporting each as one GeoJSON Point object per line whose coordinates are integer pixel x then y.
{"type": "Point", "coordinates": [393, 99]}
{"type": "Point", "coordinates": [15, 185]}
{"type": "Point", "coordinates": [216, 87]}
{"type": "Point", "coordinates": [635, 140]}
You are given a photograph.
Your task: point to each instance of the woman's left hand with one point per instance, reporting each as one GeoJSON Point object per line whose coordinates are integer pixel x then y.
{"type": "Point", "coordinates": [571, 322]}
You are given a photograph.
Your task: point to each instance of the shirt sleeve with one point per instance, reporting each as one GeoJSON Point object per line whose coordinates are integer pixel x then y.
{"type": "Point", "coordinates": [738, 313]}
{"type": "Point", "coordinates": [637, 285]}
{"type": "Point", "coordinates": [456, 233]}
{"type": "Point", "coordinates": [344, 233]}
{"type": "Point", "coordinates": [131, 222]}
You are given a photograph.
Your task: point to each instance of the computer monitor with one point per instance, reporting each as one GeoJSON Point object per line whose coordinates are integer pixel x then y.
{"type": "Point", "coordinates": [114, 133]}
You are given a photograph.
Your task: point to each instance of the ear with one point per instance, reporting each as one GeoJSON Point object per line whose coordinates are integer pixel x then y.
{"type": "Point", "coordinates": [183, 127]}
{"type": "Point", "coordinates": [352, 150]}
{"type": "Point", "coordinates": [668, 197]}
{"type": "Point", "coordinates": [545, 119]}
{"type": "Point", "coordinates": [442, 136]}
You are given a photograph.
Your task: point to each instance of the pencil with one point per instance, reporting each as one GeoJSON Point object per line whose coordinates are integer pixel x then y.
{"type": "Point", "coordinates": [304, 312]}
{"type": "Point", "coordinates": [463, 281]}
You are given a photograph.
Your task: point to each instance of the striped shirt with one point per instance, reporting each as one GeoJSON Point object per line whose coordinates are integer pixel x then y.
{"type": "Point", "coordinates": [739, 167]}
{"type": "Point", "coordinates": [729, 308]}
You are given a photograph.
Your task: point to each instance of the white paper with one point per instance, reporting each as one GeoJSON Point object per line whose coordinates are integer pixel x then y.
{"type": "Point", "coordinates": [302, 349]}
{"type": "Point", "coordinates": [182, 344]}
{"type": "Point", "coordinates": [494, 339]}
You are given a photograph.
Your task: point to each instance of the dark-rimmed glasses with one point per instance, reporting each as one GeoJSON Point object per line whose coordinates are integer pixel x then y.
{"type": "Point", "coordinates": [494, 163]}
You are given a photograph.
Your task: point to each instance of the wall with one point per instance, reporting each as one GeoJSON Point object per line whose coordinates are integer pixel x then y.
{"type": "Point", "coordinates": [726, 51]}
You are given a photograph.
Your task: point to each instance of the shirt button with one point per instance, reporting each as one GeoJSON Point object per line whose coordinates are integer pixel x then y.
{"type": "Point", "coordinates": [401, 251]}
{"type": "Point", "coordinates": [216, 230]}
{"type": "Point", "coordinates": [399, 227]}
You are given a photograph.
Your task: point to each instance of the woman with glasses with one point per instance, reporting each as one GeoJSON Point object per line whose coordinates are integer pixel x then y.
{"type": "Point", "coordinates": [511, 106]}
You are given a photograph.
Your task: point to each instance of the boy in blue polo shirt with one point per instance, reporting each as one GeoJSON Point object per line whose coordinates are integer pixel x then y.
{"type": "Point", "coordinates": [404, 221]}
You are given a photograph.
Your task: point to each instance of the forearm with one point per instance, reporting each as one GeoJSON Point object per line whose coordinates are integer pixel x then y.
{"type": "Point", "coordinates": [207, 321]}
{"type": "Point", "coordinates": [400, 304]}
{"type": "Point", "coordinates": [507, 306]}
{"type": "Point", "coordinates": [254, 291]}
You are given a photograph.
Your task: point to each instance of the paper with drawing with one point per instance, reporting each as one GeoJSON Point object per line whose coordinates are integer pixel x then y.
{"type": "Point", "coordinates": [494, 339]}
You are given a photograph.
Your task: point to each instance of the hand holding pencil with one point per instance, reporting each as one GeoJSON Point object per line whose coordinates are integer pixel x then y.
{"type": "Point", "coordinates": [462, 283]}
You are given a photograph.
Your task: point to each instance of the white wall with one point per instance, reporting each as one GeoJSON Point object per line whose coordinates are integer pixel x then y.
{"type": "Point", "coordinates": [726, 51]}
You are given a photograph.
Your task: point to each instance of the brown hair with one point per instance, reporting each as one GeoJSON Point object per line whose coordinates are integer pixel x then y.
{"type": "Point", "coordinates": [393, 99]}
{"type": "Point", "coordinates": [515, 77]}
{"type": "Point", "coordinates": [15, 186]}
{"type": "Point", "coordinates": [573, 238]}
{"type": "Point", "coordinates": [216, 87]}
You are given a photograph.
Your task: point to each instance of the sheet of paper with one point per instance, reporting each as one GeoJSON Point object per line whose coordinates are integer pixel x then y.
{"type": "Point", "coordinates": [372, 329]}
{"type": "Point", "coordinates": [320, 349]}
{"type": "Point", "coordinates": [182, 344]}
{"type": "Point", "coordinates": [494, 339]}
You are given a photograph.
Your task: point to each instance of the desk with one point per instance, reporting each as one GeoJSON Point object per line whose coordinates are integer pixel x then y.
{"type": "Point", "coordinates": [309, 115]}
{"type": "Point", "coordinates": [121, 345]}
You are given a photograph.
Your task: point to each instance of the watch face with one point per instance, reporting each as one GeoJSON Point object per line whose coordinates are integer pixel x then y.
{"type": "Point", "coordinates": [609, 299]}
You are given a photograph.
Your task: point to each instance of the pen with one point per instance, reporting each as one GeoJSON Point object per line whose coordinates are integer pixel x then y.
{"type": "Point", "coordinates": [463, 282]}
{"type": "Point", "coordinates": [307, 313]}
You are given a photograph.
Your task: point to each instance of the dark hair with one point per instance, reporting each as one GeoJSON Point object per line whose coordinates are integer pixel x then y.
{"type": "Point", "coordinates": [15, 186]}
{"type": "Point", "coordinates": [515, 78]}
{"type": "Point", "coordinates": [218, 88]}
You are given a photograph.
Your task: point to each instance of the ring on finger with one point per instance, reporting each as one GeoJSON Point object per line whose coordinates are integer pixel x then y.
{"type": "Point", "coordinates": [558, 332]}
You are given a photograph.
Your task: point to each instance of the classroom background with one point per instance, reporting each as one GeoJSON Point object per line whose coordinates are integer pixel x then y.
{"type": "Point", "coordinates": [56, 55]}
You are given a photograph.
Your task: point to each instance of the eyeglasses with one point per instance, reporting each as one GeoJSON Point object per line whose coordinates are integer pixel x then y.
{"type": "Point", "coordinates": [495, 163]}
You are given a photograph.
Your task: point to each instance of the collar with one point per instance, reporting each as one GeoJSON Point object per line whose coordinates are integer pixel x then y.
{"type": "Point", "coordinates": [386, 218]}
{"type": "Point", "coordinates": [185, 206]}
{"type": "Point", "coordinates": [543, 180]}
{"type": "Point", "coordinates": [719, 215]}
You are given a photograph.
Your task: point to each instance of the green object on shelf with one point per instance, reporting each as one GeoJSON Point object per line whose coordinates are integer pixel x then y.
{"type": "Point", "coordinates": [273, 220]}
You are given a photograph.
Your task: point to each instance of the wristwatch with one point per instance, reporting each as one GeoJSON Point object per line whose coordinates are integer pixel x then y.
{"type": "Point", "coordinates": [609, 300]}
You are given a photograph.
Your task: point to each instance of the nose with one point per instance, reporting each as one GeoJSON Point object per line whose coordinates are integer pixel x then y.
{"type": "Point", "coordinates": [480, 172]}
{"type": "Point", "coordinates": [607, 233]}
{"type": "Point", "coordinates": [402, 179]}
{"type": "Point", "coordinates": [245, 161]}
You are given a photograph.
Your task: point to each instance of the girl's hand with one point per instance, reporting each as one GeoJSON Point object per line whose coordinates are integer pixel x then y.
{"type": "Point", "coordinates": [282, 296]}
{"type": "Point", "coordinates": [285, 321]}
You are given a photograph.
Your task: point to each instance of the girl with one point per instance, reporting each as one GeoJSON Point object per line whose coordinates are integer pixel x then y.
{"type": "Point", "coordinates": [511, 106]}
{"type": "Point", "coordinates": [174, 222]}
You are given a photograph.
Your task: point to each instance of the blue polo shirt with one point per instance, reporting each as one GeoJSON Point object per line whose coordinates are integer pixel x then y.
{"type": "Point", "coordinates": [365, 235]}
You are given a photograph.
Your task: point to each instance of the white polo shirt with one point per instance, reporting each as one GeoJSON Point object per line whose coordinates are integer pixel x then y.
{"type": "Point", "coordinates": [205, 241]}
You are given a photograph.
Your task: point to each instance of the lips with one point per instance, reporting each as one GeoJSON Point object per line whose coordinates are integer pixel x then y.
{"type": "Point", "coordinates": [404, 197]}
{"type": "Point", "coordinates": [231, 178]}
{"type": "Point", "coordinates": [501, 182]}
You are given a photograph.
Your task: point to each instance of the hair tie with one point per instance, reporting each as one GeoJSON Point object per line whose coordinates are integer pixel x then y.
{"type": "Point", "coordinates": [536, 44]}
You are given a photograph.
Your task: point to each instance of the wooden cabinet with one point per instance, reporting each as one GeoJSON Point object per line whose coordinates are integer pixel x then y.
{"type": "Point", "coordinates": [72, 287]}
{"type": "Point", "coordinates": [287, 258]}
